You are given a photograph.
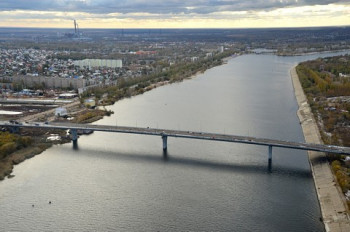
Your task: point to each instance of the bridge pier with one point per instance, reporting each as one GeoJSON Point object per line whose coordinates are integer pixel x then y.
{"type": "Point", "coordinates": [270, 157]}
{"type": "Point", "coordinates": [165, 142]}
{"type": "Point", "coordinates": [74, 136]}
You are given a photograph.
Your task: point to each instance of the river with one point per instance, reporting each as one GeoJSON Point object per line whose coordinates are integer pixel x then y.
{"type": "Point", "coordinates": [121, 182]}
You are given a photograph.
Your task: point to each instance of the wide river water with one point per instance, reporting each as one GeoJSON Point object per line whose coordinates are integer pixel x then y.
{"type": "Point", "coordinates": [122, 182]}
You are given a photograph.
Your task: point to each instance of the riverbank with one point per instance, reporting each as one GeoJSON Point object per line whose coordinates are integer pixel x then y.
{"type": "Point", "coordinates": [36, 142]}
{"type": "Point", "coordinates": [332, 201]}
{"type": "Point", "coordinates": [128, 87]}
{"type": "Point", "coordinates": [308, 53]}
{"type": "Point", "coordinates": [40, 138]}
{"type": "Point", "coordinates": [84, 116]}
{"type": "Point", "coordinates": [7, 164]}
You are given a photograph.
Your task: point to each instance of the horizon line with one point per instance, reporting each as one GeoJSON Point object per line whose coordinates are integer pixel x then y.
{"type": "Point", "coordinates": [174, 28]}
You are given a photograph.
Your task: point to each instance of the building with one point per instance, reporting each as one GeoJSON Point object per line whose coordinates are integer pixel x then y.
{"type": "Point", "coordinates": [6, 86]}
{"type": "Point", "coordinates": [49, 82]}
{"type": "Point", "coordinates": [344, 75]}
{"type": "Point", "coordinates": [209, 54]}
{"type": "Point", "coordinates": [90, 103]}
{"type": "Point", "coordinates": [99, 63]}
{"type": "Point", "coordinates": [61, 112]}
{"type": "Point", "coordinates": [67, 95]}
{"type": "Point", "coordinates": [194, 59]}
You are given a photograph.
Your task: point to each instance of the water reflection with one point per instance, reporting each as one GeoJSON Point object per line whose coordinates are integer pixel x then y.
{"type": "Point", "coordinates": [75, 145]}
{"type": "Point", "coordinates": [167, 159]}
{"type": "Point", "coordinates": [165, 155]}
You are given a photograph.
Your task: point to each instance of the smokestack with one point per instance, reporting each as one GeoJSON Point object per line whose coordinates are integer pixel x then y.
{"type": "Point", "coordinates": [75, 27]}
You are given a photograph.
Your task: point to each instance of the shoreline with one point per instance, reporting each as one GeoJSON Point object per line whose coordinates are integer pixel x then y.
{"type": "Point", "coordinates": [8, 168]}
{"type": "Point", "coordinates": [312, 53]}
{"type": "Point", "coordinates": [331, 200]}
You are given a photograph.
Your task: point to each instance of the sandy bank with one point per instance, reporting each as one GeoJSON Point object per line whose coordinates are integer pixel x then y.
{"type": "Point", "coordinates": [331, 199]}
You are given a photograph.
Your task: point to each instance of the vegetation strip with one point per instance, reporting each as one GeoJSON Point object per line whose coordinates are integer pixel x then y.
{"type": "Point", "coordinates": [326, 83]}
{"type": "Point", "coordinates": [331, 201]}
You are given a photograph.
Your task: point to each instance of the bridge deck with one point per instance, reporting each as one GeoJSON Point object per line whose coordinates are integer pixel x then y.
{"type": "Point", "coordinates": [188, 135]}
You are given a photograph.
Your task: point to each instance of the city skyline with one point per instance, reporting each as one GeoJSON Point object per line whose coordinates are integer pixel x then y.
{"type": "Point", "coordinates": [174, 13]}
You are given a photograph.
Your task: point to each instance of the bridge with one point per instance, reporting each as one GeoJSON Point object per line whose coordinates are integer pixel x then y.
{"type": "Point", "coordinates": [165, 133]}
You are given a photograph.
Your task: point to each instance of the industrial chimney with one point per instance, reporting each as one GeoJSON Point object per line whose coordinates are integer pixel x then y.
{"type": "Point", "coordinates": [75, 27]}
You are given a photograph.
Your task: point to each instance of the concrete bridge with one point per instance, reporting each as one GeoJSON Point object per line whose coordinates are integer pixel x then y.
{"type": "Point", "coordinates": [165, 133]}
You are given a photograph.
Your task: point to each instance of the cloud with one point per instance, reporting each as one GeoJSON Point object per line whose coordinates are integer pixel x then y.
{"type": "Point", "coordinates": [157, 6]}
{"type": "Point", "coordinates": [174, 13]}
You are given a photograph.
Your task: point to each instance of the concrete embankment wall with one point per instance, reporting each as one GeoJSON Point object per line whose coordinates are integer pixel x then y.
{"type": "Point", "coordinates": [332, 201]}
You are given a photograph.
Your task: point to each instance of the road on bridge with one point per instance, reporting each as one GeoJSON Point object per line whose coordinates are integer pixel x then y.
{"type": "Point", "coordinates": [185, 134]}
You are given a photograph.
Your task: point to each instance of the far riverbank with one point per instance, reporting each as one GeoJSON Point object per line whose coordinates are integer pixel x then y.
{"type": "Point", "coordinates": [331, 200]}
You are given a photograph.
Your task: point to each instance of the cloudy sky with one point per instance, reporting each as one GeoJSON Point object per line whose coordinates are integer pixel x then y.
{"type": "Point", "coordinates": [174, 13]}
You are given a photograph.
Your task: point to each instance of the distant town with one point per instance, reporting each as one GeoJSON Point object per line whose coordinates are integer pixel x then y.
{"type": "Point", "coordinates": [78, 59]}
{"type": "Point", "coordinates": [73, 63]}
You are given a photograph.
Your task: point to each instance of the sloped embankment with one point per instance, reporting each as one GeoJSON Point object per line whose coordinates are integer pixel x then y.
{"type": "Point", "coordinates": [331, 200]}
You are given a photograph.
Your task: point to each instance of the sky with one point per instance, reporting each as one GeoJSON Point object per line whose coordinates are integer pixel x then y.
{"type": "Point", "coordinates": [174, 13]}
